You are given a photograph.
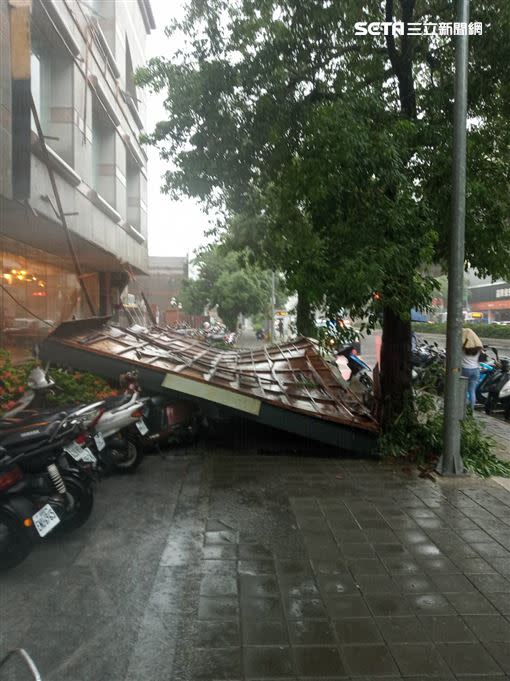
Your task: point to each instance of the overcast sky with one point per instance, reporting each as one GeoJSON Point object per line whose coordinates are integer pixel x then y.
{"type": "Point", "coordinates": [175, 227]}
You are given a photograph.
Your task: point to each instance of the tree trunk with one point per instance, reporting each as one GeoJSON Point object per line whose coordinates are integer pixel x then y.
{"type": "Point", "coordinates": [396, 362]}
{"type": "Point", "coordinates": [396, 370]}
{"type": "Point", "coordinates": [304, 316]}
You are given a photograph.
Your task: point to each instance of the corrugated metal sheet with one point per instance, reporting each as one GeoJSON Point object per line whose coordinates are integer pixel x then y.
{"type": "Point", "coordinates": [292, 377]}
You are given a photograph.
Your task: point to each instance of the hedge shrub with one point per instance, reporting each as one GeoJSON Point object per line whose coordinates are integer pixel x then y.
{"type": "Point", "coordinates": [482, 330]}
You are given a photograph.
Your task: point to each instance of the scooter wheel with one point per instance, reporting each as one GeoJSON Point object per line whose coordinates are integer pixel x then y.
{"type": "Point", "coordinates": [129, 459]}
{"type": "Point", "coordinates": [83, 502]}
{"type": "Point", "coordinates": [15, 544]}
{"type": "Point", "coordinates": [507, 412]}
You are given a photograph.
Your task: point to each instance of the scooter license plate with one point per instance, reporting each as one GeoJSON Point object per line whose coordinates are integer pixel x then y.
{"type": "Point", "coordinates": [99, 440]}
{"type": "Point", "coordinates": [74, 450]}
{"type": "Point", "coordinates": [142, 427]}
{"type": "Point", "coordinates": [87, 456]}
{"type": "Point", "coordinates": [45, 520]}
{"type": "Point", "coordinates": [80, 454]}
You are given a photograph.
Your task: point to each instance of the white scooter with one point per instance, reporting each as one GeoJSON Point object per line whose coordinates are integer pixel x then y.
{"type": "Point", "coordinates": [106, 423]}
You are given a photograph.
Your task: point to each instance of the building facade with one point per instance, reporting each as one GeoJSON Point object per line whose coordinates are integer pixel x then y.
{"type": "Point", "coordinates": [77, 60]}
{"type": "Point", "coordinates": [491, 300]}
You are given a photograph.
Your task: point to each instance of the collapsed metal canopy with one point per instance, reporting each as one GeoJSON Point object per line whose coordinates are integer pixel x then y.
{"type": "Point", "coordinates": [288, 386]}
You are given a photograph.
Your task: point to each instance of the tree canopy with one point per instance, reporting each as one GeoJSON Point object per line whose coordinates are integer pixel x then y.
{"type": "Point", "coordinates": [227, 282]}
{"type": "Point", "coordinates": [330, 154]}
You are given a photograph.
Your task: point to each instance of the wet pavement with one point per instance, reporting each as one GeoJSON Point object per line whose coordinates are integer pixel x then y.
{"type": "Point", "coordinates": [253, 563]}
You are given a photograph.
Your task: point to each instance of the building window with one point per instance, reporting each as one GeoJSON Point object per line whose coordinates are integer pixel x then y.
{"type": "Point", "coordinates": [40, 284]}
{"type": "Point", "coordinates": [133, 192]}
{"type": "Point", "coordinates": [52, 90]}
{"type": "Point", "coordinates": [103, 153]}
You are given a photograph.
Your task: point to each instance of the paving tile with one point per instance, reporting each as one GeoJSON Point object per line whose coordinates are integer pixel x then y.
{"type": "Point", "coordinates": [254, 552]}
{"type": "Point", "coordinates": [501, 565]}
{"type": "Point", "coordinates": [217, 634]}
{"type": "Point", "coordinates": [402, 629]}
{"type": "Point", "coordinates": [358, 550]}
{"type": "Point", "coordinates": [218, 585]}
{"type": "Point", "coordinates": [474, 566]}
{"type": "Point", "coordinates": [219, 567]}
{"type": "Point", "coordinates": [489, 627]}
{"type": "Point", "coordinates": [376, 584]}
{"type": "Point", "coordinates": [299, 585]}
{"type": "Point", "coordinates": [411, 536]}
{"type": "Point", "coordinates": [292, 567]}
{"type": "Point", "coordinates": [478, 677]}
{"type": "Point", "coordinates": [311, 632]}
{"type": "Point", "coordinates": [256, 567]}
{"type": "Point", "coordinates": [222, 537]}
{"type": "Point", "coordinates": [491, 583]}
{"type": "Point", "coordinates": [261, 608]}
{"type": "Point", "coordinates": [397, 565]}
{"type": "Point", "coordinates": [216, 664]}
{"type": "Point", "coordinates": [414, 583]}
{"type": "Point", "coordinates": [220, 552]}
{"type": "Point", "coordinates": [366, 566]}
{"type": "Point", "coordinates": [388, 604]}
{"type": "Point", "coordinates": [491, 550]}
{"type": "Point", "coordinates": [395, 549]}
{"type": "Point", "coordinates": [304, 608]}
{"type": "Point", "coordinates": [468, 658]}
{"type": "Point", "coordinates": [418, 658]}
{"type": "Point", "coordinates": [368, 659]}
{"type": "Point", "coordinates": [451, 583]}
{"type": "Point", "coordinates": [501, 602]}
{"type": "Point", "coordinates": [329, 567]}
{"type": "Point", "coordinates": [347, 606]}
{"type": "Point", "coordinates": [318, 662]}
{"type": "Point", "coordinates": [356, 631]}
{"type": "Point", "coordinates": [447, 629]}
{"type": "Point", "coordinates": [263, 586]}
{"type": "Point", "coordinates": [264, 633]}
{"type": "Point", "coordinates": [432, 604]}
{"type": "Point", "coordinates": [336, 584]}
{"type": "Point", "coordinates": [268, 662]}
{"type": "Point", "coordinates": [440, 564]}
{"type": "Point", "coordinates": [501, 653]}
{"type": "Point", "coordinates": [220, 608]}
{"type": "Point", "coordinates": [473, 603]}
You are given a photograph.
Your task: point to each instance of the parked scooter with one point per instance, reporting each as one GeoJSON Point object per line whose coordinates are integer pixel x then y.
{"type": "Point", "coordinates": [427, 358]}
{"type": "Point", "coordinates": [50, 445]}
{"type": "Point", "coordinates": [165, 422]}
{"type": "Point", "coordinates": [499, 389]}
{"type": "Point", "coordinates": [39, 494]}
{"type": "Point", "coordinates": [108, 422]}
{"type": "Point", "coordinates": [361, 380]}
{"type": "Point", "coordinates": [488, 370]}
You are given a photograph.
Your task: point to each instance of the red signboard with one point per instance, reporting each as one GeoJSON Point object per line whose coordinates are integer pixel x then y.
{"type": "Point", "coordinates": [491, 305]}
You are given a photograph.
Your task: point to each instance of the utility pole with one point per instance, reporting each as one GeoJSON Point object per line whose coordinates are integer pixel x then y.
{"type": "Point", "coordinates": [273, 305]}
{"type": "Point", "coordinates": [451, 461]}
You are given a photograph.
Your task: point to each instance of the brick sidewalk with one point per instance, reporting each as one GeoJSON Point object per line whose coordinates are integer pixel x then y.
{"type": "Point", "coordinates": [232, 564]}
{"type": "Point", "coordinates": [499, 430]}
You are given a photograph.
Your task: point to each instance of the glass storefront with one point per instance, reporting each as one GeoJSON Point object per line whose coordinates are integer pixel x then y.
{"type": "Point", "coordinates": [38, 291]}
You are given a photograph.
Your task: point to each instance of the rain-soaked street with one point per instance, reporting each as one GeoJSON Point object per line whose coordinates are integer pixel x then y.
{"type": "Point", "coordinates": [271, 560]}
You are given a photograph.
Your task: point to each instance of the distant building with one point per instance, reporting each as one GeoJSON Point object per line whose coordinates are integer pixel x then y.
{"type": "Point", "coordinates": [77, 60]}
{"type": "Point", "coordinates": [492, 300]}
{"type": "Point", "coordinates": [165, 280]}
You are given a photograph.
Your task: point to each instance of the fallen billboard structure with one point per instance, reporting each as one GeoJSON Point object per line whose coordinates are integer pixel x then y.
{"type": "Point", "coordinates": [289, 386]}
